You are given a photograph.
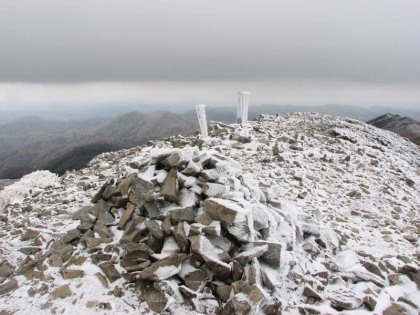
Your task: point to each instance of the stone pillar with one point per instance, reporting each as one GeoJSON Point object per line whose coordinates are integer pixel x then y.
{"type": "Point", "coordinates": [242, 109]}
{"type": "Point", "coordinates": [202, 120]}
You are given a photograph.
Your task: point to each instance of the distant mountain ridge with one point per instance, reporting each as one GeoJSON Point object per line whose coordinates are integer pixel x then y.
{"type": "Point", "coordinates": [31, 143]}
{"type": "Point", "coordinates": [40, 146]}
{"type": "Point", "coordinates": [228, 114]}
{"type": "Point", "coordinates": [404, 126]}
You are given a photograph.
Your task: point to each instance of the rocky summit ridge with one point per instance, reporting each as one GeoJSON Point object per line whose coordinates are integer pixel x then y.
{"type": "Point", "coordinates": [293, 214]}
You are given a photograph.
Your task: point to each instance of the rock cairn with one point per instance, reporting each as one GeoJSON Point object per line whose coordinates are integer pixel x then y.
{"type": "Point", "coordinates": [188, 228]}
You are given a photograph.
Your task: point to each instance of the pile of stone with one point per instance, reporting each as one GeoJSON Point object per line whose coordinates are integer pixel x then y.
{"type": "Point", "coordinates": [193, 233]}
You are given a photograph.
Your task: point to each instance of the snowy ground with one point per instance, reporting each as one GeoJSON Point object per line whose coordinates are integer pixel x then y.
{"type": "Point", "coordinates": [359, 184]}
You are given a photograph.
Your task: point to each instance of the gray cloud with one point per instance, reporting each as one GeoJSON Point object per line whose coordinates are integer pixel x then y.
{"type": "Point", "coordinates": [374, 41]}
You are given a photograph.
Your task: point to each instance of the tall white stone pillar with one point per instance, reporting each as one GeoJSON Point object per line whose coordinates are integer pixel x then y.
{"type": "Point", "coordinates": [202, 120]}
{"type": "Point", "coordinates": [242, 109]}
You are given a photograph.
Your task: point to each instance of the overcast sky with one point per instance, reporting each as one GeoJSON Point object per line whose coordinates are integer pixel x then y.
{"type": "Point", "coordinates": [305, 52]}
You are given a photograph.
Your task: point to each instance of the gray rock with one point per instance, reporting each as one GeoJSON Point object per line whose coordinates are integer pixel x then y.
{"type": "Point", "coordinates": [194, 280]}
{"type": "Point", "coordinates": [103, 230]}
{"type": "Point", "coordinates": [126, 216]}
{"type": "Point", "coordinates": [106, 218]}
{"type": "Point", "coordinates": [204, 219]}
{"type": "Point", "coordinates": [85, 227]}
{"type": "Point", "coordinates": [102, 279]}
{"type": "Point", "coordinates": [246, 256]}
{"type": "Point", "coordinates": [155, 244]}
{"type": "Point", "coordinates": [110, 271]}
{"type": "Point", "coordinates": [100, 208]}
{"type": "Point", "coordinates": [81, 212]}
{"type": "Point", "coordinates": [156, 300]}
{"type": "Point", "coordinates": [237, 305]}
{"type": "Point", "coordinates": [154, 228]}
{"type": "Point", "coordinates": [6, 270]}
{"type": "Point", "coordinates": [272, 307]}
{"type": "Point", "coordinates": [308, 291]}
{"type": "Point", "coordinates": [255, 272]}
{"type": "Point", "coordinates": [169, 189]}
{"type": "Point", "coordinates": [62, 292]}
{"type": "Point", "coordinates": [70, 236]}
{"type": "Point", "coordinates": [110, 191]}
{"type": "Point", "coordinates": [395, 279]}
{"type": "Point", "coordinates": [172, 161]}
{"type": "Point", "coordinates": [71, 273]}
{"type": "Point", "coordinates": [98, 258]}
{"type": "Point", "coordinates": [222, 210]}
{"type": "Point", "coordinates": [410, 182]}
{"type": "Point", "coordinates": [167, 225]}
{"type": "Point", "coordinates": [30, 250]}
{"type": "Point", "coordinates": [202, 247]}
{"type": "Point", "coordinates": [93, 242]}
{"type": "Point", "coordinates": [212, 230]}
{"type": "Point", "coordinates": [8, 286]}
{"type": "Point", "coordinates": [29, 235]}
{"type": "Point", "coordinates": [373, 268]}
{"type": "Point", "coordinates": [138, 267]}
{"type": "Point", "coordinates": [398, 309]}
{"type": "Point", "coordinates": [132, 237]}
{"type": "Point", "coordinates": [133, 251]}
{"type": "Point", "coordinates": [125, 184]}
{"type": "Point", "coordinates": [369, 302]}
{"type": "Point", "coordinates": [237, 271]}
{"type": "Point", "coordinates": [271, 256]}
{"type": "Point", "coordinates": [182, 214]}
{"type": "Point", "coordinates": [98, 195]}
{"type": "Point", "coordinates": [344, 299]}
{"type": "Point", "coordinates": [152, 209]}
{"type": "Point", "coordinates": [181, 237]}
{"type": "Point", "coordinates": [64, 252]}
{"type": "Point", "coordinates": [141, 192]}
{"type": "Point", "coordinates": [192, 169]}
{"type": "Point", "coordinates": [162, 269]}
{"type": "Point", "coordinates": [223, 292]}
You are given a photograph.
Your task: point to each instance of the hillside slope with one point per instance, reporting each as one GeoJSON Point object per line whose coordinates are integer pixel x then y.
{"type": "Point", "coordinates": [336, 200]}
{"type": "Point", "coordinates": [38, 147]}
{"type": "Point", "coordinates": [404, 126]}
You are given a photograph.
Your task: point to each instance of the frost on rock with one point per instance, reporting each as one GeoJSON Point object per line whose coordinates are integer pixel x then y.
{"type": "Point", "coordinates": [28, 185]}
{"type": "Point", "coordinates": [297, 213]}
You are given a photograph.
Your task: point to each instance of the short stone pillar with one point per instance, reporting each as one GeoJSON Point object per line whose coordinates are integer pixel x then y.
{"type": "Point", "coordinates": [202, 120]}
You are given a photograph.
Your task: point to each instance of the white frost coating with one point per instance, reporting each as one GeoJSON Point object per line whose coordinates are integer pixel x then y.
{"type": "Point", "coordinates": [208, 251]}
{"type": "Point", "coordinates": [186, 268]}
{"type": "Point", "coordinates": [215, 189]}
{"type": "Point", "coordinates": [148, 174]}
{"type": "Point", "coordinates": [166, 272]}
{"type": "Point", "coordinates": [254, 252]}
{"type": "Point", "coordinates": [202, 120]}
{"type": "Point", "coordinates": [346, 259]}
{"type": "Point", "coordinates": [170, 246]}
{"type": "Point", "coordinates": [28, 184]}
{"type": "Point", "coordinates": [186, 198]}
{"type": "Point", "coordinates": [160, 176]}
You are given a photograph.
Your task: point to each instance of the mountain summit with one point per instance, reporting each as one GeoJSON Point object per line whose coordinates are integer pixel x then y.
{"type": "Point", "coordinates": [298, 213]}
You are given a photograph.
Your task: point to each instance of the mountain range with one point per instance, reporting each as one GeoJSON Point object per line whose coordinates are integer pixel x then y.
{"type": "Point", "coordinates": [31, 143]}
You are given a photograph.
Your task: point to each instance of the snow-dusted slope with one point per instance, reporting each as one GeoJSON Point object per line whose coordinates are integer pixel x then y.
{"type": "Point", "coordinates": [347, 195]}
